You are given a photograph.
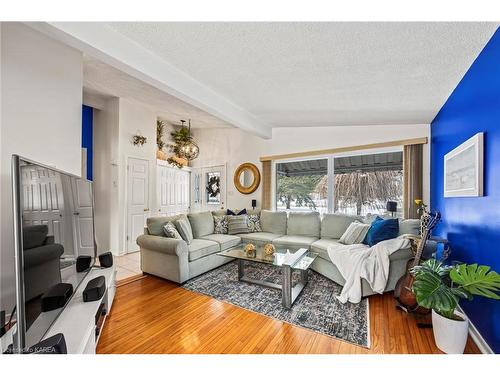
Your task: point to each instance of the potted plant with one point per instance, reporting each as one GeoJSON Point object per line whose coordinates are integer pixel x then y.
{"type": "Point", "coordinates": [439, 287]}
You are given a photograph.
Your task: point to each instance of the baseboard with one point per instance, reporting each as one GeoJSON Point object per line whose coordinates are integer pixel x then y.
{"type": "Point", "coordinates": [476, 336]}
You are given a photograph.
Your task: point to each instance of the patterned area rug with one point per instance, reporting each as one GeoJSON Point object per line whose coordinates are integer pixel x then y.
{"type": "Point", "coordinates": [316, 308]}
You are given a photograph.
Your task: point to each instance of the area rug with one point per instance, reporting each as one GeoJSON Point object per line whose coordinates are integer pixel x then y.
{"type": "Point", "coordinates": [316, 308]}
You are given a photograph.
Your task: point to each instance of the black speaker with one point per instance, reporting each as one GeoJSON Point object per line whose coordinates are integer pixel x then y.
{"type": "Point", "coordinates": [56, 297]}
{"type": "Point", "coordinates": [254, 203]}
{"type": "Point", "coordinates": [83, 263]}
{"type": "Point", "coordinates": [95, 289]}
{"type": "Point", "coordinates": [106, 260]}
{"type": "Point", "coordinates": [53, 345]}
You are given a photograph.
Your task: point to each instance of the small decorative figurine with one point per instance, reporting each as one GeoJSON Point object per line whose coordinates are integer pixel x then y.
{"type": "Point", "coordinates": [250, 250]}
{"type": "Point", "coordinates": [269, 249]}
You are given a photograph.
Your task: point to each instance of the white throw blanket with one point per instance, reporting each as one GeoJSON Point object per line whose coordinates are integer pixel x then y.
{"type": "Point", "coordinates": [358, 261]}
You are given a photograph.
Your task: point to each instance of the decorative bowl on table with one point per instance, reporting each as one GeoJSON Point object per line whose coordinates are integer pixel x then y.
{"type": "Point", "coordinates": [250, 250]}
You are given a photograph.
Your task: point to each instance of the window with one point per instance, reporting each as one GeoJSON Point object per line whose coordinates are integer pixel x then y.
{"type": "Point", "coordinates": [356, 185]}
{"type": "Point", "coordinates": [302, 185]}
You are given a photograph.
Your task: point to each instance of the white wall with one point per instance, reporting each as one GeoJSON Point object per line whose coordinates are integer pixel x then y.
{"type": "Point", "coordinates": [105, 164]}
{"type": "Point", "coordinates": [134, 117]}
{"type": "Point", "coordinates": [234, 146]}
{"type": "Point", "coordinates": [114, 126]}
{"type": "Point", "coordinates": [41, 95]}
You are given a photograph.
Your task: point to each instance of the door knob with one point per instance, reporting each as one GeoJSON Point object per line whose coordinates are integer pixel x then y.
{"type": "Point", "coordinates": [76, 213]}
{"type": "Point", "coordinates": [146, 209]}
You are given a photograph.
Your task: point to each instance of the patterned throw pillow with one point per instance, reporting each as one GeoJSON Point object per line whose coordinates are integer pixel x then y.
{"type": "Point", "coordinates": [171, 232]}
{"type": "Point", "coordinates": [355, 233]}
{"type": "Point", "coordinates": [185, 230]}
{"type": "Point", "coordinates": [254, 223]}
{"type": "Point", "coordinates": [237, 224]}
{"type": "Point", "coordinates": [220, 224]}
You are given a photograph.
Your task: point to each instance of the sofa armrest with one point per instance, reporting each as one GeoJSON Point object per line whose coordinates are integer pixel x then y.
{"type": "Point", "coordinates": [170, 246]}
{"type": "Point", "coordinates": [42, 254]}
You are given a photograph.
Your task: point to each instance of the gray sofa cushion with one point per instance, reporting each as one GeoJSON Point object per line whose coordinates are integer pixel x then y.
{"type": "Point", "coordinates": [273, 221]}
{"type": "Point", "coordinates": [409, 226]}
{"type": "Point", "coordinates": [260, 238]}
{"type": "Point", "coordinates": [201, 248]}
{"type": "Point", "coordinates": [304, 224]}
{"type": "Point", "coordinates": [321, 247]}
{"type": "Point", "coordinates": [202, 224]}
{"type": "Point", "coordinates": [294, 242]}
{"type": "Point", "coordinates": [155, 224]}
{"type": "Point", "coordinates": [334, 225]}
{"type": "Point", "coordinates": [226, 241]}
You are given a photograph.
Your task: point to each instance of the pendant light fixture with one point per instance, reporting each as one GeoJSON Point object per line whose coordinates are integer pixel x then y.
{"type": "Point", "coordinates": [189, 150]}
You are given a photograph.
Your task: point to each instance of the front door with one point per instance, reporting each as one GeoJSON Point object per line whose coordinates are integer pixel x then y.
{"type": "Point", "coordinates": [137, 200]}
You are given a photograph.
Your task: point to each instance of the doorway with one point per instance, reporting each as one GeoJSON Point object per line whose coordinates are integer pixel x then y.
{"type": "Point", "coordinates": [137, 200]}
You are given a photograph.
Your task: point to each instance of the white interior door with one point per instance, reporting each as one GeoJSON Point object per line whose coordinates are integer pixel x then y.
{"type": "Point", "coordinates": [82, 216]}
{"type": "Point", "coordinates": [137, 200]}
{"type": "Point", "coordinates": [44, 204]}
{"type": "Point", "coordinates": [173, 190]}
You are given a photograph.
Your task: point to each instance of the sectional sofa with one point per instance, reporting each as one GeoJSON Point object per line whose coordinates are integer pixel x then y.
{"type": "Point", "coordinates": [175, 260]}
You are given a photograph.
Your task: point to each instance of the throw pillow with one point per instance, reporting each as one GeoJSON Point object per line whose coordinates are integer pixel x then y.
{"type": "Point", "coordinates": [237, 224]}
{"type": "Point", "coordinates": [171, 232]}
{"type": "Point", "coordinates": [254, 223]}
{"type": "Point", "coordinates": [355, 233]}
{"type": "Point", "coordinates": [232, 213]}
{"type": "Point", "coordinates": [220, 224]}
{"type": "Point", "coordinates": [381, 230]}
{"type": "Point", "coordinates": [185, 230]}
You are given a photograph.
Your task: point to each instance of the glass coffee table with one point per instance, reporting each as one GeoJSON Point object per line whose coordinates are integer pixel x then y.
{"type": "Point", "coordinates": [293, 260]}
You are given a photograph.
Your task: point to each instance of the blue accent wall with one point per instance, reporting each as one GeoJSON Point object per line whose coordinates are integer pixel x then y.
{"type": "Point", "coordinates": [472, 225]}
{"type": "Point", "coordinates": [87, 137]}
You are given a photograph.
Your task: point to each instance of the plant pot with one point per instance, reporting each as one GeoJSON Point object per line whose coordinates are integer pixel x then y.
{"type": "Point", "coordinates": [450, 335]}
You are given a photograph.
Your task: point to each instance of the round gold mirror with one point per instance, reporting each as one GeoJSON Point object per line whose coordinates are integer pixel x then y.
{"type": "Point", "coordinates": [247, 178]}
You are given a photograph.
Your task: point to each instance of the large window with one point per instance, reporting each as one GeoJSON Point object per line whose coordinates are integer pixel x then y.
{"type": "Point", "coordinates": [355, 184]}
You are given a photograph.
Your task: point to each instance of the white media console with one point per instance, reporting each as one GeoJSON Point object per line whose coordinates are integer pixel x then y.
{"type": "Point", "coordinates": [77, 320]}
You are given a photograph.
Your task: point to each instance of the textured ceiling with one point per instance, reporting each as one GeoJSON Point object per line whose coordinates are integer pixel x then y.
{"type": "Point", "coordinates": [103, 80]}
{"type": "Point", "coordinates": [319, 74]}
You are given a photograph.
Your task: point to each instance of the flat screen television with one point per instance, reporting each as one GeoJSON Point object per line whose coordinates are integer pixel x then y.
{"type": "Point", "coordinates": [53, 225]}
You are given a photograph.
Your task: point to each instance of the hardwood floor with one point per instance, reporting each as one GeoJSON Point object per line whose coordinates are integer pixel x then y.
{"type": "Point", "coordinates": [151, 315]}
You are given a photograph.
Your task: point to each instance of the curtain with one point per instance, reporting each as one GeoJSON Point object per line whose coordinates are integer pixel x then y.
{"type": "Point", "coordinates": [266, 185]}
{"type": "Point", "coordinates": [413, 189]}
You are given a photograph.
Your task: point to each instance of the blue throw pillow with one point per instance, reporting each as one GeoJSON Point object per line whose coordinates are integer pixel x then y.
{"type": "Point", "coordinates": [232, 213]}
{"type": "Point", "coordinates": [381, 230]}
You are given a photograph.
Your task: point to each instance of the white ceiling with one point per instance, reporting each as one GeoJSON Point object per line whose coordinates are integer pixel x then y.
{"type": "Point", "coordinates": [318, 74]}
{"type": "Point", "coordinates": [102, 80]}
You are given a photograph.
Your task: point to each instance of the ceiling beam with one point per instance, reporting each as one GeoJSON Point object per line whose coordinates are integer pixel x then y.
{"type": "Point", "coordinates": [102, 42]}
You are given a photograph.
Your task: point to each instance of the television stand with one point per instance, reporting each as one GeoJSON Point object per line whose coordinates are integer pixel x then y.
{"type": "Point", "coordinates": [77, 321]}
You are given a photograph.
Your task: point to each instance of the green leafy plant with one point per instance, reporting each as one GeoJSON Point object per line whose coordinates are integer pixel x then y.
{"type": "Point", "coordinates": [160, 131]}
{"type": "Point", "coordinates": [440, 287]}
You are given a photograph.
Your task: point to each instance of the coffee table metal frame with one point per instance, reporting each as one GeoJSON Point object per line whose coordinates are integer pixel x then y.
{"type": "Point", "coordinates": [289, 292]}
